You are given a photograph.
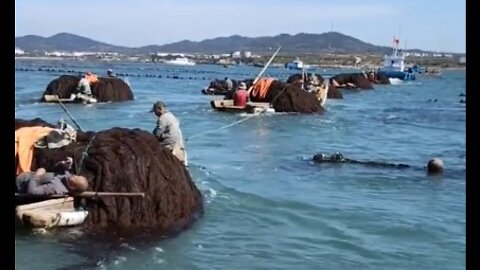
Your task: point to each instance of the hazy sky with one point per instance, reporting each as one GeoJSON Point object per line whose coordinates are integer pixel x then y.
{"type": "Point", "coordinates": [423, 24]}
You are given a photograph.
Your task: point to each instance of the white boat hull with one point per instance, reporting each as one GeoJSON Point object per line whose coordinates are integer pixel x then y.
{"type": "Point", "coordinates": [181, 62]}
{"type": "Point", "coordinates": [50, 214]}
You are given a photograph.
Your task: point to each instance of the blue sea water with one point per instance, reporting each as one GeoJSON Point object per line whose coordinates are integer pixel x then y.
{"type": "Point", "coordinates": [267, 206]}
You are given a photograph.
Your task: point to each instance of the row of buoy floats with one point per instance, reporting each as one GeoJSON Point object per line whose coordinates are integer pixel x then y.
{"type": "Point", "coordinates": [194, 71]}
{"type": "Point", "coordinates": [53, 69]}
{"type": "Point", "coordinates": [118, 74]}
{"type": "Point", "coordinates": [125, 74]}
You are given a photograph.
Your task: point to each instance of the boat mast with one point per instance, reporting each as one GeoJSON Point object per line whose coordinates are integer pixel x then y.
{"type": "Point", "coordinates": [329, 43]}
{"type": "Point", "coordinates": [395, 45]}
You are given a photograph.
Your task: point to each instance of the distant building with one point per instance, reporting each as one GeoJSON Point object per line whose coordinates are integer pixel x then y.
{"type": "Point", "coordinates": [223, 61]}
{"type": "Point", "coordinates": [463, 60]}
{"type": "Point", "coordinates": [58, 54]}
{"type": "Point", "coordinates": [247, 54]}
{"type": "Point", "coordinates": [19, 51]}
{"type": "Point", "coordinates": [236, 54]}
{"type": "Point", "coordinates": [79, 54]}
{"type": "Point", "coordinates": [358, 60]}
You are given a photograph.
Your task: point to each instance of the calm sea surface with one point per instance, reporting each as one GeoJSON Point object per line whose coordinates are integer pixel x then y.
{"type": "Point", "coordinates": [267, 206]}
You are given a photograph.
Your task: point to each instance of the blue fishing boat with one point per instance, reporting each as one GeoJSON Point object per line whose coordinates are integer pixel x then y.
{"type": "Point", "coordinates": [296, 64]}
{"type": "Point", "coordinates": [394, 65]}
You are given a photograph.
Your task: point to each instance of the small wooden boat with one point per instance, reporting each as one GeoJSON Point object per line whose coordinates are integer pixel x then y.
{"type": "Point", "coordinates": [49, 214]}
{"type": "Point", "coordinates": [56, 99]}
{"type": "Point", "coordinates": [214, 92]}
{"type": "Point", "coordinates": [226, 105]}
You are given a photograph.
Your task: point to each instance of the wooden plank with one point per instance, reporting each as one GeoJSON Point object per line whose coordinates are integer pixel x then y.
{"type": "Point", "coordinates": [53, 218]}
{"type": "Point", "coordinates": [50, 98]}
{"type": "Point", "coordinates": [229, 103]}
{"type": "Point", "coordinates": [224, 102]}
{"type": "Point", "coordinates": [31, 213]}
{"type": "Point", "coordinates": [259, 104]}
{"type": "Point", "coordinates": [251, 107]}
{"type": "Point", "coordinates": [56, 203]}
{"type": "Point", "coordinates": [54, 98]}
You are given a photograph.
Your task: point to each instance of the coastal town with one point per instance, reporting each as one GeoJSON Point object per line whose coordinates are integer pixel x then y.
{"type": "Point", "coordinates": [233, 58]}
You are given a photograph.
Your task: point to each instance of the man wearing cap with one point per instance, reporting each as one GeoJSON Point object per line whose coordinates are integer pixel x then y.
{"type": "Point", "coordinates": [240, 97]}
{"type": "Point", "coordinates": [168, 131]}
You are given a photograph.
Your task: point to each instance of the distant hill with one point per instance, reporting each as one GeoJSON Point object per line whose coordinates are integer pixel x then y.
{"type": "Point", "coordinates": [64, 42]}
{"type": "Point", "coordinates": [299, 43]}
{"type": "Point", "coordinates": [296, 44]}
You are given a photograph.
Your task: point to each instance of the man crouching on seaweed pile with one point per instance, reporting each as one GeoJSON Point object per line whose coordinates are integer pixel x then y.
{"type": "Point", "coordinates": [59, 182]}
{"type": "Point", "coordinates": [168, 131]}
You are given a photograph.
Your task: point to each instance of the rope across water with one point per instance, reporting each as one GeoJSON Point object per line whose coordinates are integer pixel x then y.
{"type": "Point", "coordinates": [224, 127]}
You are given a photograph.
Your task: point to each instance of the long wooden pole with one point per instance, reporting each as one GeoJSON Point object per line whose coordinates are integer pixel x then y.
{"type": "Point", "coordinates": [303, 78]}
{"type": "Point", "coordinates": [263, 70]}
{"type": "Point", "coordinates": [86, 194]}
{"type": "Point", "coordinates": [69, 115]}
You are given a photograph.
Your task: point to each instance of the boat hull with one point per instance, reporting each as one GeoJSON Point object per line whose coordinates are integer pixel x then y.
{"type": "Point", "coordinates": [56, 99]}
{"type": "Point", "coordinates": [404, 76]}
{"type": "Point", "coordinates": [215, 92]}
{"type": "Point", "coordinates": [226, 105]}
{"type": "Point", "coordinates": [49, 214]}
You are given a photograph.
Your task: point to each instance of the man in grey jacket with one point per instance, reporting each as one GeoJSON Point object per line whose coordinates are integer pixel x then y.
{"type": "Point", "coordinates": [228, 84]}
{"type": "Point", "coordinates": [168, 131]}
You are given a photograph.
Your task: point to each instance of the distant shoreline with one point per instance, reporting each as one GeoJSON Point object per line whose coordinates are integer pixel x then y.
{"type": "Point", "coordinates": [38, 58]}
{"type": "Point", "coordinates": [333, 63]}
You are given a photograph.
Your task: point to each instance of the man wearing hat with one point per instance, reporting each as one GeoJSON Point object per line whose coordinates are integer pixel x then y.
{"type": "Point", "coordinates": [240, 97]}
{"type": "Point", "coordinates": [84, 91]}
{"type": "Point", "coordinates": [168, 131]}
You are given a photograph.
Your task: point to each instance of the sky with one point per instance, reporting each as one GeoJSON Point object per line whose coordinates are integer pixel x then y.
{"type": "Point", "coordinates": [436, 25]}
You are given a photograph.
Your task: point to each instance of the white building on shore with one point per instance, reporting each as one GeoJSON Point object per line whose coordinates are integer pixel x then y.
{"type": "Point", "coordinates": [58, 54]}
{"type": "Point", "coordinates": [236, 54]}
{"type": "Point", "coordinates": [19, 51]}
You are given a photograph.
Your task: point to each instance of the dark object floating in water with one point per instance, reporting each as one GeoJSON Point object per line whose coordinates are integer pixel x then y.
{"type": "Point", "coordinates": [105, 90]}
{"type": "Point", "coordinates": [127, 160]}
{"type": "Point", "coordinates": [339, 159]}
